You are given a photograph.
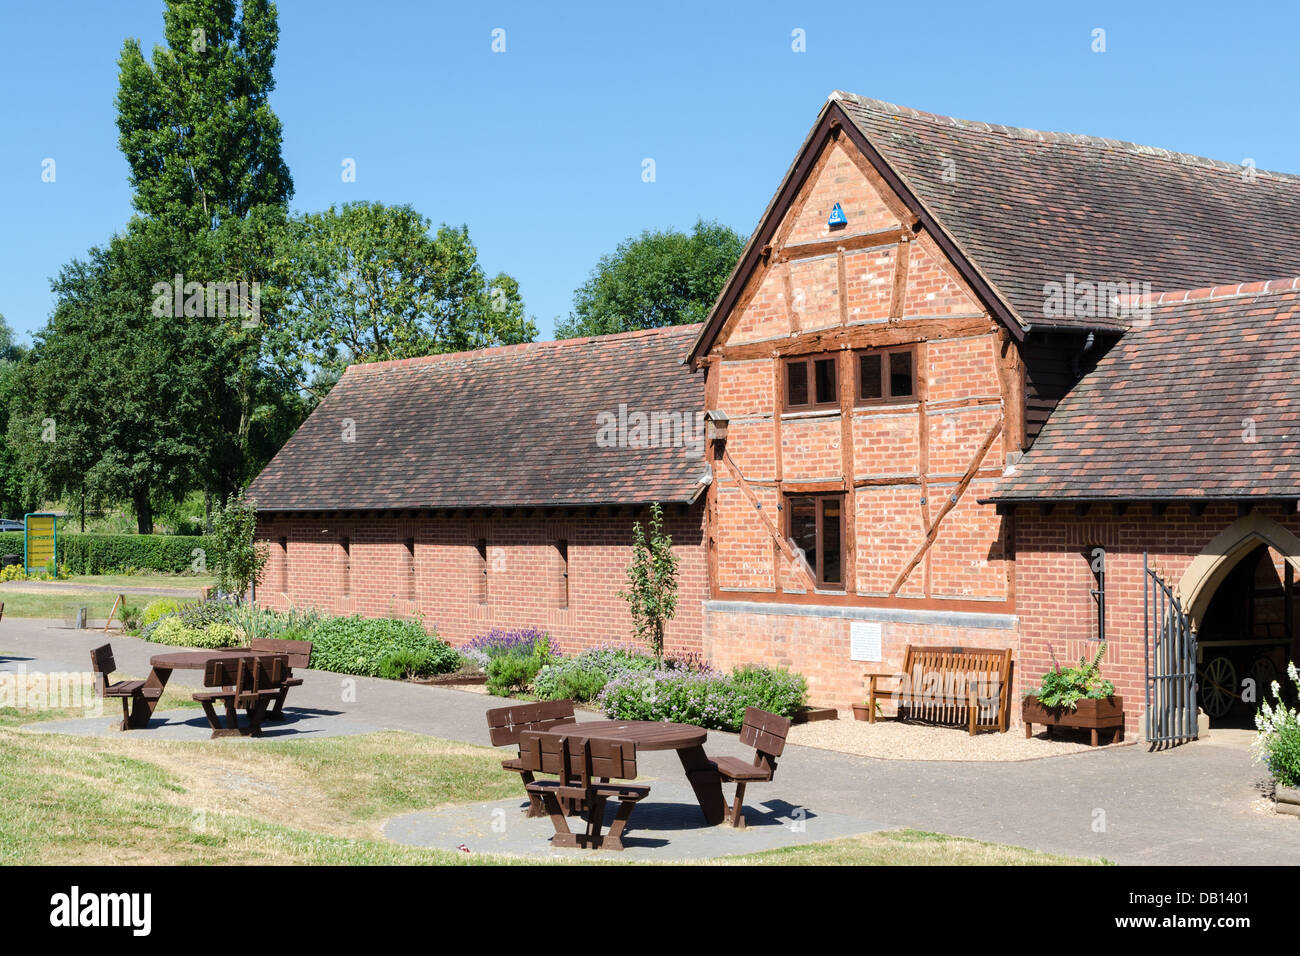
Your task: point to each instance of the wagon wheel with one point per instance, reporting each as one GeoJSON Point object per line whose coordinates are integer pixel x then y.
{"type": "Point", "coordinates": [1218, 686]}
{"type": "Point", "coordinates": [1264, 672]}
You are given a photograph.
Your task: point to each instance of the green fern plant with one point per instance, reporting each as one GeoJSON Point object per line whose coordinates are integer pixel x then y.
{"type": "Point", "coordinates": [1065, 687]}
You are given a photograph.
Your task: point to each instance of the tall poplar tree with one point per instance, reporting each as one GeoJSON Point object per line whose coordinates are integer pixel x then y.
{"type": "Point", "coordinates": [204, 150]}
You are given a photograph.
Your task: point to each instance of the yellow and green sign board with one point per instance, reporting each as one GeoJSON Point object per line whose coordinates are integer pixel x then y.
{"type": "Point", "coordinates": [40, 542]}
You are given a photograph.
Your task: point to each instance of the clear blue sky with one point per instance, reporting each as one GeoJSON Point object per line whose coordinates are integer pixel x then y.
{"type": "Point", "coordinates": [539, 149]}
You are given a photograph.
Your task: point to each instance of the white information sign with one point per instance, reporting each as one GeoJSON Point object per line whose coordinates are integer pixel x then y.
{"type": "Point", "coordinates": [864, 641]}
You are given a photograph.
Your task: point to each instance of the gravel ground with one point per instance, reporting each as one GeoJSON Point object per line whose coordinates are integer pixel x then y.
{"type": "Point", "coordinates": [890, 740]}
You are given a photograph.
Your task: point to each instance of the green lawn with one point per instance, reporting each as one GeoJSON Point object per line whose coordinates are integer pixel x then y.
{"type": "Point", "coordinates": [150, 579]}
{"type": "Point", "coordinates": [125, 799]}
{"type": "Point", "coordinates": [55, 604]}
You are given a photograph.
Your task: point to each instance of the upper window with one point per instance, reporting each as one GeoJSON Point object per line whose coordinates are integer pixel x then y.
{"type": "Point", "coordinates": [888, 375]}
{"type": "Point", "coordinates": [810, 383]}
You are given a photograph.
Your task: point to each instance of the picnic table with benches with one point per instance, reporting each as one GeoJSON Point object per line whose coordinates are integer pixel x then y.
{"type": "Point", "coordinates": [588, 770]}
{"type": "Point", "coordinates": [251, 682]}
{"type": "Point", "coordinates": [967, 686]}
{"type": "Point", "coordinates": [687, 739]}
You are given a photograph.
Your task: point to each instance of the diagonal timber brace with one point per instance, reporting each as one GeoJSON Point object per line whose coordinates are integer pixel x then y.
{"type": "Point", "coordinates": [782, 542]}
{"type": "Point", "coordinates": [932, 533]}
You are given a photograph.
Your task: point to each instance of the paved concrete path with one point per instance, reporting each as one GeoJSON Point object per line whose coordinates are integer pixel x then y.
{"type": "Point", "coordinates": [667, 825]}
{"type": "Point", "coordinates": [1189, 805]}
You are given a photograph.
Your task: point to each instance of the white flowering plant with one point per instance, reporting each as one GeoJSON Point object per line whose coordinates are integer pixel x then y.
{"type": "Point", "coordinates": [1277, 743]}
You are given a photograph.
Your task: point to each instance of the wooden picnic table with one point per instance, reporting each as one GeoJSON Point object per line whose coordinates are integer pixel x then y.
{"type": "Point", "coordinates": [687, 739]}
{"type": "Point", "coordinates": [161, 667]}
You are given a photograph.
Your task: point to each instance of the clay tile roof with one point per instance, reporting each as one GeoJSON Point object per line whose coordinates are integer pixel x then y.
{"type": "Point", "coordinates": [1029, 207]}
{"type": "Point", "coordinates": [503, 427]}
{"type": "Point", "coordinates": [1200, 399]}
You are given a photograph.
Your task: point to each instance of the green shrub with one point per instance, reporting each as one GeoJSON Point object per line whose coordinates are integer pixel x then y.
{"type": "Point", "coordinates": [513, 671]}
{"type": "Point", "coordinates": [202, 614]}
{"type": "Point", "coordinates": [130, 619]}
{"type": "Point", "coordinates": [173, 630]}
{"type": "Point", "coordinates": [1284, 754]}
{"type": "Point", "coordinates": [1277, 742]}
{"type": "Point", "coordinates": [584, 676]}
{"type": "Point", "coordinates": [357, 645]}
{"type": "Point", "coordinates": [1065, 687]}
{"type": "Point", "coordinates": [703, 698]}
{"type": "Point", "coordinates": [115, 553]}
{"type": "Point", "coordinates": [262, 623]}
{"type": "Point", "coordinates": [399, 665]}
{"type": "Point", "coordinates": [773, 689]}
{"type": "Point", "coordinates": [160, 608]}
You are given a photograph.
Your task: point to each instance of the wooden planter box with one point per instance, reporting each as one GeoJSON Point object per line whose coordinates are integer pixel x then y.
{"type": "Point", "coordinates": [1092, 715]}
{"type": "Point", "coordinates": [451, 680]}
{"type": "Point", "coordinates": [809, 715]}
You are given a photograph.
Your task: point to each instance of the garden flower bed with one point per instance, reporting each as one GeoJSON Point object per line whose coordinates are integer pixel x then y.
{"type": "Point", "coordinates": [624, 682]}
{"type": "Point", "coordinates": [628, 684]}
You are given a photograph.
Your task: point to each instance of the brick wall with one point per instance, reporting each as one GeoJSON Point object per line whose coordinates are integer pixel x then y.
{"type": "Point", "coordinates": [818, 646]}
{"type": "Point", "coordinates": [1058, 616]}
{"type": "Point", "coordinates": [525, 583]}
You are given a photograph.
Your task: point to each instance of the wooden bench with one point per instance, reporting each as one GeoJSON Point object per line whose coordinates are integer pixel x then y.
{"type": "Point", "coordinates": [251, 683]}
{"type": "Point", "coordinates": [133, 693]}
{"type": "Point", "coordinates": [586, 769]}
{"type": "Point", "coordinates": [766, 733]}
{"type": "Point", "coordinates": [298, 654]}
{"type": "Point", "coordinates": [505, 724]}
{"type": "Point", "coordinates": [968, 686]}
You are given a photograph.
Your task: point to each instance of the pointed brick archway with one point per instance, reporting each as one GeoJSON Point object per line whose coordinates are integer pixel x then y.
{"type": "Point", "coordinates": [1206, 572]}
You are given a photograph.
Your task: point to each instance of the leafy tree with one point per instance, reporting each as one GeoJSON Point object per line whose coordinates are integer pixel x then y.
{"type": "Point", "coordinates": [652, 582]}
{"type": "Point", "coordinates": [238, 558]}
{"type": "Point", "coordinates": [204, 150]}
{"type": "Point", "coordinates": [195, 124]}
{"type": "Point", "coordinates": [10, 351]}
{"type": "Point", "coordinates": [654, 280]}
{"type": "Point", "coordinates": [16, 490]}
{"type": "Point", "coordinates": [111, 391]}
{"type": "Point", "coordinates": [368, 282]}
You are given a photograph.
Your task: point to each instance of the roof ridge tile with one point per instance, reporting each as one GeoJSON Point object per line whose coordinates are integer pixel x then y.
{"type": "Point", "coordinates": [1049, 137]}
{"type": "Point", "coordinates": [1209, 293]}
{"type": "Point", "coordinates": [497, 350]}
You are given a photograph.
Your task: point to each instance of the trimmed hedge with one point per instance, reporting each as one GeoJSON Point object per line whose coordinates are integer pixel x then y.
{"type": "Point", "coordinates": [109, 553]}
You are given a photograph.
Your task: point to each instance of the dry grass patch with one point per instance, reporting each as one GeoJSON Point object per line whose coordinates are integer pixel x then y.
{"type": "Point", "coordinates": [906, 848]}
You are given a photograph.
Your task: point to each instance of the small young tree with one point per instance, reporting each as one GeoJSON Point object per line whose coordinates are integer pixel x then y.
{"type": "Point", "coordinates": [652, 582]}
{"type": "Point", "coordinates": [238, 559]}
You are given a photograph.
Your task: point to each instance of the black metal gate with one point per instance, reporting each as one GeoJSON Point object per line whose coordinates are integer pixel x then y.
{"type": "Point", "coordinates": [1170, 664]}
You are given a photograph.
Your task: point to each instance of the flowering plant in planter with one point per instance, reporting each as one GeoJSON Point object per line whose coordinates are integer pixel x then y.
{"type": "Point", "coordinates": [1277, 741]}
{"type": "Point", "coordinates": [1065, 687]}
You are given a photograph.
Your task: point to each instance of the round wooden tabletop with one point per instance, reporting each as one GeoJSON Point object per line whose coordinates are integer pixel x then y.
{"type": "Point", "coordinates": [193, 660]}
{"type": "Point", "coordinates": [646, 734]}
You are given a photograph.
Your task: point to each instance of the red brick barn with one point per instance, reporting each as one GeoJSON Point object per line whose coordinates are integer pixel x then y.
{"type": "Point", "coordinates": [958, 393]}
{"type": "Point", "coordinates": [919, 296]}
{"type": "Point", "coordinates": [495, 488]}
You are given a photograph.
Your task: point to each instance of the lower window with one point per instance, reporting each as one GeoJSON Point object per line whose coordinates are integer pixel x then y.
{"type": "Point", "coordinates": [816, 526]}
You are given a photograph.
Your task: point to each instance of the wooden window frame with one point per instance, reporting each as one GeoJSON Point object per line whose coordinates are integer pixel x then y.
{"type": "Point", "coordinates": [562, 552]}
{"type": "Point", "coordinates": [481, 569]}
{"type": "Point", "coordinates": [886, 398]}
{"type": "Point", "coordinates": [810, 362]}
{"type": "Point", "coordinates": [284, 564]}
{"type": "Point", "coordinates": [816, 564]}
{"type": "Point", "coordinates": [408, 549]}
{"type": "Point", "coordinates": [345, 545]}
